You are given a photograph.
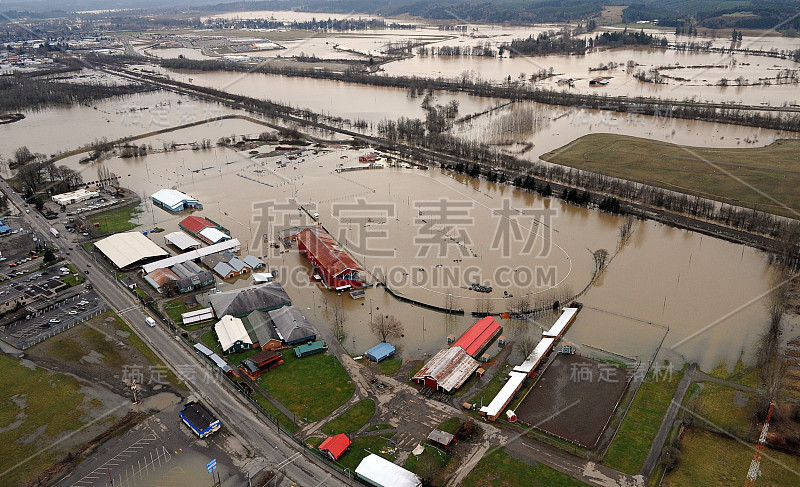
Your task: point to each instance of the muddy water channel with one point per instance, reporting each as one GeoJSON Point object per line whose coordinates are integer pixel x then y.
{"type": "Point", "coordinates": [428, 235]}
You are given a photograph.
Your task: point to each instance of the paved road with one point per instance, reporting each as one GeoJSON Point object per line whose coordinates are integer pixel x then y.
{"type": "Point", "coordinates": [666, 425]}
{"type": "Point", "coordinates": [237, 416]}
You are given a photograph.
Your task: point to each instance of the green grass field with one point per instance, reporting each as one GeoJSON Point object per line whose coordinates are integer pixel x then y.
{"type": "Point", "coordinates": [310, 387]}
{"type": "Point", "coordinates": [390, 366]}
{"type": "Point", "coordinates": [629, 449]}
{"type": "Point", "coordinates": [710, 459]}
{"type": "Point", "coordinates": [275, 412]}
{"type": "Point", "coordinates": [352, 419]}
{"type": "Point", "coordinates": [431, 464]}
{"type": "Point", "coordinates": [451, 425]}
{"type": "Point", "coordinates": [116, 220]}
{"type": "Point", "coordinates": [773, 170]}
{"type": "Point", "coordinates": [363, 446]}
{"type": "Point", "coordinates": [38, 407]}
{"type": "Point", "coordinates": [499, 469]}
{"type": "Point", "coordinates": [722, 408]}
{"type": "Point", "coordinates": [175, 309]}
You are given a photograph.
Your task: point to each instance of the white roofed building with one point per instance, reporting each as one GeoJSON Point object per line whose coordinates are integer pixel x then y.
{"type": "Point", "coordinates": [182, 241]}
{"type": "Point", "coordinates": [380, 472]}
{"type": "Point", "coordinates": [129, 248]}
{"type": "Point", "coordinates": [174, 200]}
{"type": "Point", "coordinates": [232, 335]}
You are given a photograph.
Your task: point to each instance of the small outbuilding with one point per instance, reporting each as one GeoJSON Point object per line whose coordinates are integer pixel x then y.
{"type": "Point", "coordinates": [309, 349]}
{"type": "Point", "coordinates": [442, 438]}
{"type": "Point", "coordinates": [380, 352]}
{"type": "Point", "coordinates": [261, 362]}
{"type": "Point", "coordinates": [199, 419]}
{"type": "Point", "coordinates": [335, 446]}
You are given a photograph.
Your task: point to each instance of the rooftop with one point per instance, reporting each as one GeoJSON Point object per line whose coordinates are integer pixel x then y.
{"type": "Point", "coordinates": [127, 248]}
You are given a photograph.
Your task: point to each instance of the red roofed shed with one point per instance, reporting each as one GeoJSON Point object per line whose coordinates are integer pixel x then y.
{"type": "Point", "coordinates": [335, 446]}
{"type": "Point", "coordinates": [338, 269]}
{"type": "Point", "coordinates": [477, 338]}
{"type": "Point", "coordinates": [193, 224]}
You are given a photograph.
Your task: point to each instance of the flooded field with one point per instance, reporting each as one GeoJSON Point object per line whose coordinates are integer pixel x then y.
{"type": "Point", "coordinates": [660, 278]}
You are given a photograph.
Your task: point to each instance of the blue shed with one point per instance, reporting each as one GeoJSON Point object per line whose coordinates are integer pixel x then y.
{"type": "Point", "coordinates": [380, 352]}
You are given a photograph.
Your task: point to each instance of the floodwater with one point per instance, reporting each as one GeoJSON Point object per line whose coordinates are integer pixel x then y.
{"type": "Point", "coordinates": [336, 98]}
{"type": "Point", "coordinates": [662, 277]}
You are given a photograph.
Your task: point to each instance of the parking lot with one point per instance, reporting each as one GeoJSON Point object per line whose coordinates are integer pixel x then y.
{"type": "Point", "coordinates": [73, 307]}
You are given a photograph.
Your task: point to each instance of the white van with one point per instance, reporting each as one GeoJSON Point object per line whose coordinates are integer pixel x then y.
{"type": "Point", "coordinates": [150, 321]}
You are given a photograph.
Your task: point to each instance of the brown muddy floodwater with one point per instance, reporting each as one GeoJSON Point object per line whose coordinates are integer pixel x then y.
{"type": "Point", "coordinates": [398, 221]}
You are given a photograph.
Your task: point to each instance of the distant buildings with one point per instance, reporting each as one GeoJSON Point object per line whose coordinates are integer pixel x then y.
{"type": "Point", "coordinates": [174, 201]}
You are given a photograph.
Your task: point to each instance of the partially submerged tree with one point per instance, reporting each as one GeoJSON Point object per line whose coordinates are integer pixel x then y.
{"type": "Point", "coordinates": [386, 327]}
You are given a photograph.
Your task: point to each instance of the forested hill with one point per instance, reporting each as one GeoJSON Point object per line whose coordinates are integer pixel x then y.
{"type": "Point", "coordinates": [781, 15]}
{"type": "Point", "coordinates": [458, 11]}
{"type": "Point", "coordinates": [740, 14]}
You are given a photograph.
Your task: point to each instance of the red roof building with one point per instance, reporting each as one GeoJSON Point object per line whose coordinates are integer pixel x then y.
{"type": "Point", "coordinates": [477, 338]}
{"type": "Point", "coordinates": [336, 267]}
{"type": "Point", "coordinates": [335, 446]}
{"type": "Point", "coordinates": [193, 224]}
{"type": "Point", "coordinates": [261, 362]}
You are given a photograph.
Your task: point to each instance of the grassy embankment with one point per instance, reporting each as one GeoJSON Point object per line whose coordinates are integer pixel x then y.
{"type": "Point", "coordinates": [630, 447]}
{"type": "Point", "coordinates": [499, 469]}
{"type": "Point", "coordinates": [773, 170]}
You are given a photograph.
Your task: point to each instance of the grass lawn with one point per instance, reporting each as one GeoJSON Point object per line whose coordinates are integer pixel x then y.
{"type": "Point", "coordinates": [310, 387]}
{"type": "Point", "coordinates": [379, 427]}
{"type": "Point", "coordinates": [352, 419]}
{"type": "Point", "coordinates": [74, 278]}
{"type": "Point", "coordinates": [632, 443]}
{"type": "Point", "coordinates": [431, 464]}
{"type": "Point", "coordinates": [499, 469]}
{"type": "Point", "coordinates": [175, 309]}
{"type": "Point", "coordinates": [390, 366]}
{"type": "Point", "coordinates": [363, 446]}
{"type": "Point", "coordinates": [116, 220]}
{"type": "Point", "coordinates": [711, 459]}
{"type": "Point", "coordinates": [314, 441]}
{"type": "Point", "coordinates": [137, 343]}
{"type": "Point", "coordinates": [722, 407]}
{"type": "Point", "coordinates": [38, 407]}
{"type": "Point", "coordinates": [773, 170]}
{"type": "Point", "coordinates": [741, 374]}
{"type": "Point", "coordinates": [209, 339]}
{"type": "Point", "coordinates": [275, 412]}
{"type": "Point", "coordinates": [492, 388]}
{"type": "Point", "coordinates": [451, 425]}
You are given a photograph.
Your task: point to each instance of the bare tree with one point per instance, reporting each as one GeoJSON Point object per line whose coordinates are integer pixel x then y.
{"type": "Point", "coordinates": [778, 299]}
{"type": "Point", "coordinates": [525, 345]}
{"type": "Point", "coordinates": [520, 305]}
{"type": "Point", "coordinates": [484, 306]}
{"type": "Point", "coordinates": [335, 313]}
{"type": "Point", "coordinates": [600, 258]}
{"type": "Point", "coordinates": [386, 327]}
{"type": "Point", "coordinates": [625, 229]}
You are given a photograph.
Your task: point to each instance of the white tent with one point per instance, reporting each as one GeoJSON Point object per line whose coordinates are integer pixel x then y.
{"type": "Point", "coordinates": [384, 473]}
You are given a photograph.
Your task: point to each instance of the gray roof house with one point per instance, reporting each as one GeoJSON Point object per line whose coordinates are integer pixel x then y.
{"type": "Point", "coordinates": [292, 326]}
{"type": "Point", "coordinates": [253, 262]}
{"type": "Point", "coordinates": [241, 302]}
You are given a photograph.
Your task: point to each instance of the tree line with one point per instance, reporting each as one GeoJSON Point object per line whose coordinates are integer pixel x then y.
{"type": "Point", "coordinates": [684, 109]}
{"type": "Point", "coordinates": [19, 92]}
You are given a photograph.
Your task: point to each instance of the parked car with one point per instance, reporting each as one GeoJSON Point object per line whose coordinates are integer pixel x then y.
{"type": "Point", "coordinates": [55, 320]}
{"type": "Point", "coordinates": [72, 313]}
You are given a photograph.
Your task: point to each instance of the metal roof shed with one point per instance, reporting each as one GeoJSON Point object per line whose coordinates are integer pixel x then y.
{"type": "Point", "coordinates": [380, 352]}
{"type": "Point", "coordinates": [182, 241]}
{"type": "Point", "coordinates": [309, 349]}
{"type": "Point", "coordinates": [383, 473]}
{"type": "Point", "coordinates": [441, 437]}
{"type": "Point", "coordinates": [127, 248]}
{"type": "Point", "coordinates": [335, 446]}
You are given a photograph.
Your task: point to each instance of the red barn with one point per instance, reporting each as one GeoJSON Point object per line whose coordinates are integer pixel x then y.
{"type": "Point", "coordinates": [338, 269]}
{"type": "Point", "coordinates": [335, 446]}
{"type": "Point", "coordinates": [479, 336]}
